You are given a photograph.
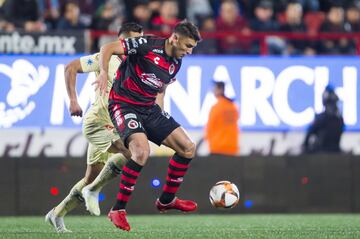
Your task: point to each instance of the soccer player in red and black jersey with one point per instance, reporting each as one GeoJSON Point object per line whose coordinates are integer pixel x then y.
{"type": "Point", "coordinates": [150, 66]}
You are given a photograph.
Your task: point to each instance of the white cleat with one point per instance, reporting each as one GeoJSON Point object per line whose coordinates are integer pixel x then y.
{"type": "Point", "coordinates": [91, 200]}
{"type": "Point", "coordinates": [56, 222]}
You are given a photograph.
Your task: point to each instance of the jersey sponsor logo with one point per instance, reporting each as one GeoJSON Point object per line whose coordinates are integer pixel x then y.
{"type": "Point", "coordinates": [117, 116]}
{"type": "Point", "coordinates": [151, 80]}
{"type": "Point", "coordinates": [132, 124]}
{"type": "Point", "coordinates": [130, 116]}
{"type": "Point", "coordinates": [171, 69]}
{"type": "Point", "coordinates": [160, 51]}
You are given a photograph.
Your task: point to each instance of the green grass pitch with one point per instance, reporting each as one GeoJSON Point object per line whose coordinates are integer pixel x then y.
{"type": "Point", "coordinates": [192, 226]}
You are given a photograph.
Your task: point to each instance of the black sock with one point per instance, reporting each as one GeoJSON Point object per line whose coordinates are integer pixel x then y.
{"type": "Point", "coordinates": [130, 173]}
{"type": "Point", "coordinates": [176, 171]}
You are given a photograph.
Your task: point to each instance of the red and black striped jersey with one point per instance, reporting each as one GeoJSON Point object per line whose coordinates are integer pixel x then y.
{"type": "Point", "coordinates": [145, 71]}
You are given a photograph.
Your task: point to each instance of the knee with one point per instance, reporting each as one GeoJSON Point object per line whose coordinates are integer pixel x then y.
{"type": "Point", "coordinates": [188, 150]}
{"type": "Point", "coordinates": [140, 154]}
{"type": "Point", "coordinates": [119, 147]}
{"type": "Point", "coordinates": [89, 178]}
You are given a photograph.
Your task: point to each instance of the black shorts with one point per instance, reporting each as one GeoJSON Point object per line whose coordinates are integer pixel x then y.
{"type": "Point", "coordinates": [151, 120]}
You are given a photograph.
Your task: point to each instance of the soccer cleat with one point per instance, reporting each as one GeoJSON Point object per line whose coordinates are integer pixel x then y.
{"type": "Point", "coordinates": [118, 218]}
{"type": "Point", "coordinates": [56, 222]}
{"type": "Point", "coordinates": [178, 204]}
{"type": "Point", "coordinates": [91, 200]}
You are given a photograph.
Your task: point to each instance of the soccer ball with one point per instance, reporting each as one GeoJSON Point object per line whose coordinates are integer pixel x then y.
{"type": "Point", "coordinates": [224, 194]}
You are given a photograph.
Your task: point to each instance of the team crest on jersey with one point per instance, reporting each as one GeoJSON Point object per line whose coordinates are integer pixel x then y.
{"type": "Point", "coordinates": [132, 51]}
{"type": "Point", "coordinates": [132, 124]}
{"type": "Point", "coordinates": [171, 69]}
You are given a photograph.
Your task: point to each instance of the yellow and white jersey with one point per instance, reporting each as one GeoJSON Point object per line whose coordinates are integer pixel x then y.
{"type": "Point", "coordinates": [90, 63]}
{"type": "Point", "coordinates": [97, 126]}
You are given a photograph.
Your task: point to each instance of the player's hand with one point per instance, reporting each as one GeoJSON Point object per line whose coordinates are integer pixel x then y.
{"type": "Point", "coordinates": [75, 109]}
{"type": "Point", "coordinates": [101, 83]}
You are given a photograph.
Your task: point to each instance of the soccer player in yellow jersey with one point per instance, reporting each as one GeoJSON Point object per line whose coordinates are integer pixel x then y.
{"type": "Point", "coordinates": [104, 158]}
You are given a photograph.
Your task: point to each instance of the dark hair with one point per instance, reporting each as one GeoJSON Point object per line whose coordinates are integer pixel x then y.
{"type": "Point", "coordinates": [219, 84]}
{"type": "Point", "coordinates": [329, 96]}
{"type": "Point", "coordinates": [130, 27]}
{"type": "Point", "coordinates": [188, 29]}
{"type": "Point", "coordinates": [292, 2]}
{"type": "Point", "coordinates": [335, 5]}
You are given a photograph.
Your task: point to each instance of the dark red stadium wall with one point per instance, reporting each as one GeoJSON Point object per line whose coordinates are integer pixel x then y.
{"type": "Point", "coordinates": [320, 183]}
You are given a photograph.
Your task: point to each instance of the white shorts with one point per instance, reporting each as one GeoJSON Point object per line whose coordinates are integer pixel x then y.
{"type": "Point", "coordinates": [100, 133]}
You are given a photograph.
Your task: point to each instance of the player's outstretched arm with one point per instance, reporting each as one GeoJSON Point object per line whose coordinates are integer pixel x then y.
{"type": "Point", "coordinates": [71, 70]}
{"type": "Point", "coordinates": [106, 51]}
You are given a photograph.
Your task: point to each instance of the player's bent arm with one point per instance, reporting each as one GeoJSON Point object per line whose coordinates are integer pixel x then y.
{"type": "Point", "coordinates": [106, 51]}
{"type": "Point", "coordinates": [71, 70]}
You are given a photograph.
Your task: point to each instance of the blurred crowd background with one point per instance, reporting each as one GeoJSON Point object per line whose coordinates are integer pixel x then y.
{"type": "Point", "coordinates": [234, 23]}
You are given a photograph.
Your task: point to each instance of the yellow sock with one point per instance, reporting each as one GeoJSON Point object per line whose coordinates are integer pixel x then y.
{"type": "Point", "coordinates": [72, 200]}
{"type": "Point", "coordinates": [111, 170]}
